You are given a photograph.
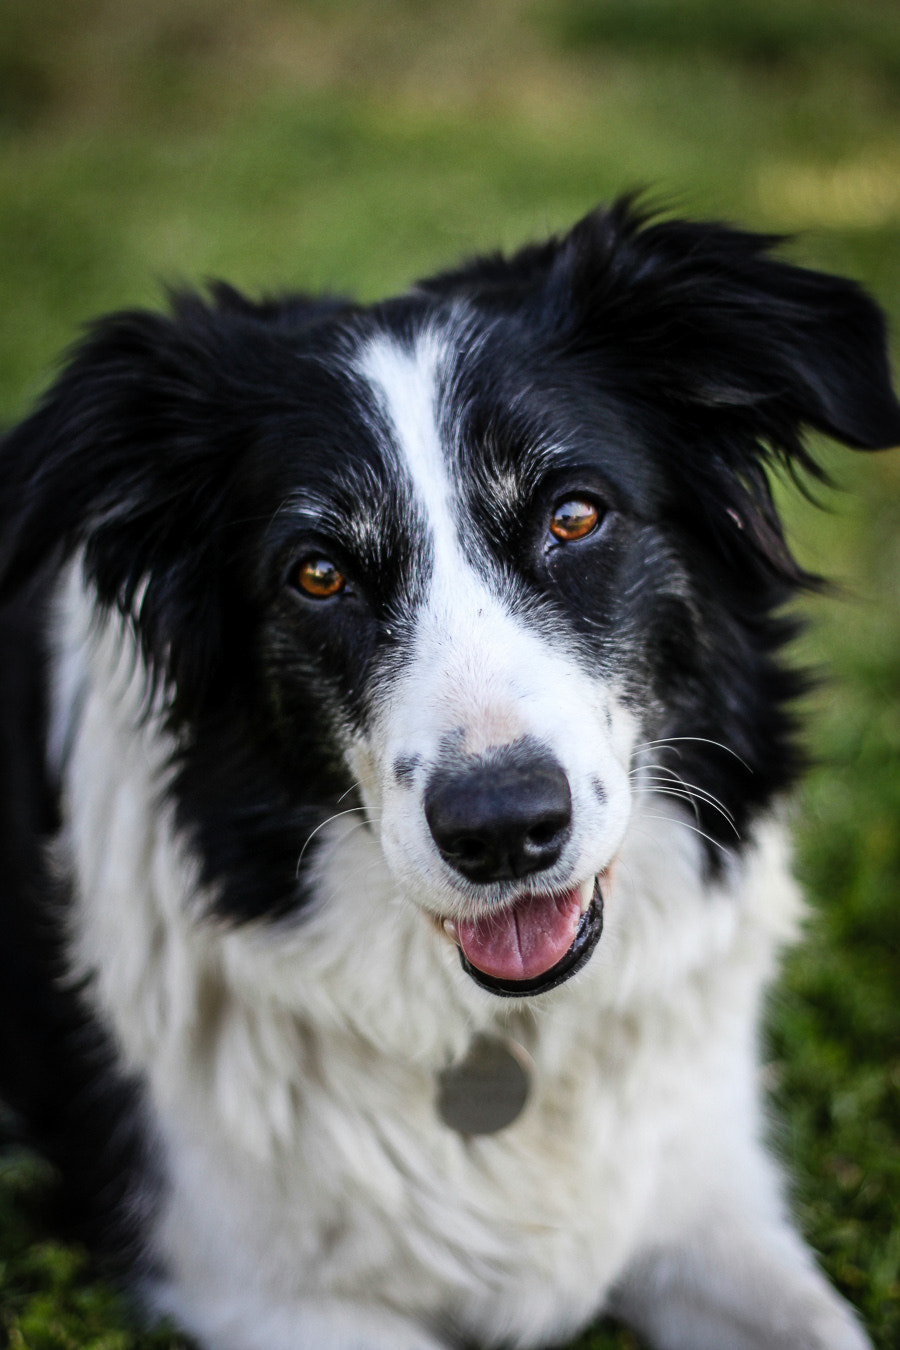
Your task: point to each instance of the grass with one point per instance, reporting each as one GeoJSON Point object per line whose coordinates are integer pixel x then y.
{"type": "Point", "coordinates": [353, 146]}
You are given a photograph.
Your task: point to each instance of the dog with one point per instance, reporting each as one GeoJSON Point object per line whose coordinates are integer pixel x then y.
{"type": "Point", "coordinates": [397, 728]}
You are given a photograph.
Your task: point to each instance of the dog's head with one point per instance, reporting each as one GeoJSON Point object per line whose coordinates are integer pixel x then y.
{"type": "Point", "coordinates": [464, 563]}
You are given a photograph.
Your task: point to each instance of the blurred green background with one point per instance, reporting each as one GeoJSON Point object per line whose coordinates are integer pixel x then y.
{"type": "Point", "coordinates": [353, 146]}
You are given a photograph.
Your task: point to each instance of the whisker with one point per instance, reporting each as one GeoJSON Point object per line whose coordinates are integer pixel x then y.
{"type": "Point", "coordinates": [691, 790]}
{"type": "Point", "coordinates": [349, 812]}
{"type": "Point", "coordinates": [640, 772]}
{"type": "Point", "coordinates": [700, 740]}
{"type": "Point", "coordinates": [682, 796]}
{"type": "Point", "coordinates": [686, 797]}
{"type": "Point", "coordinates": [666, 820]}
{"type": "Point", "coordinates": [640, 768]}
{"type": "Point", "coordinates": [692, 794]}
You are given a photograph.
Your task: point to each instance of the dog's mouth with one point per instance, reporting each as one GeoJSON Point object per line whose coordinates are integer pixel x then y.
{"type": "Point", "coordinates": [534, 944]}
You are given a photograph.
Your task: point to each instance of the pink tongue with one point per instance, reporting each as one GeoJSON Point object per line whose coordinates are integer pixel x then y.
{"type": "Point", "coordinates": [524, 940]}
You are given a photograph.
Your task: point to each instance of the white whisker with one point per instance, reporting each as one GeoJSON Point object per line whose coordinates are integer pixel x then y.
{"type": "Point", "coordinates": [666, 820]}
{"type": "Point", "coordinates": [669, 741]}
{"type": "Point", "coordinates": [349, 812]}
{"type": "Point", "coordinates": [686, 797]}
{"type": "Point", "coordinates": [689, 790]}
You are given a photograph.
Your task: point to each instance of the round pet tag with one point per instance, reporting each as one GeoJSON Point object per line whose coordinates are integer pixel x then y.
{"type": "Point", "coordinates": [488, 1089]}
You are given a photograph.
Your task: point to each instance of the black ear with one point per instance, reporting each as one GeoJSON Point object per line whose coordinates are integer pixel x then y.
{"type": "Point", "coordinates": [129, 457]}
{"type": "Point", "coordinates": [716, 321]}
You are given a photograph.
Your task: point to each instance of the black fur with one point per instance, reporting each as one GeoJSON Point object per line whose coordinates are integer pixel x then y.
{"type": "Point", "coordinates": [58, 1066]}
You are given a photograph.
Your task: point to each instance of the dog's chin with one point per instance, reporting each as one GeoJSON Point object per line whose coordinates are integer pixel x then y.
{"type": "Point", "coordinates": [533, 945]}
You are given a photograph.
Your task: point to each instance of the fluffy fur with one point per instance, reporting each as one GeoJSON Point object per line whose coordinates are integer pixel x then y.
{"type": "Point", "coordinates": [238, 882]}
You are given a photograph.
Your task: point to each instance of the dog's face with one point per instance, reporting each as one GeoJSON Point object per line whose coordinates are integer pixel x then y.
{"type": "Point", "coordinates": [458, 579]}
{"type": "Point", "coordinates": [470, 564]}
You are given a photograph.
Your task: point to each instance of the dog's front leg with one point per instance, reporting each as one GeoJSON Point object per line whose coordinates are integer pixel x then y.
{"type": "Point", "coordinates": [728, 1286]}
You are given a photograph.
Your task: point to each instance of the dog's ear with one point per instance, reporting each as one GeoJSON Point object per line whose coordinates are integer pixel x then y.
{"type": "Point", "coordinates": [128, 458]}
{"type": "Point", "coordinates": [715, 321]}
{"type": "Point", "coordinates": [729, 354]}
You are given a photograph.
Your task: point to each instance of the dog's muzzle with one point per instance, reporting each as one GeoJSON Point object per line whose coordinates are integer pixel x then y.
{"type": "Point", "coordinates": [505, 816]}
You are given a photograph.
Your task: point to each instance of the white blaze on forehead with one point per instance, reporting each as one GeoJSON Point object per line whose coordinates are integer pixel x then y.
{"type": "Point", "coordinates": [407, 382]}
{"type": "Point", "coordinates": [465, 633]}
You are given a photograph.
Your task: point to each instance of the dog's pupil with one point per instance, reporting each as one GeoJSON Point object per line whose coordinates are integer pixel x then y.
{"type": "Point", "coordinates": [573, 519]}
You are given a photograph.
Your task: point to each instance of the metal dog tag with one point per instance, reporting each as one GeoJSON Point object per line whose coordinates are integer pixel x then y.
{"type": "Point", "coordinates": [488, 1089]}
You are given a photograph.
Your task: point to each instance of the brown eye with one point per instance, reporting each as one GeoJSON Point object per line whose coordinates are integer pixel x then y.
{"type": "Point", "coordinates": [574, 519]}
{"type": "Point", "coordinates": [319, 578]}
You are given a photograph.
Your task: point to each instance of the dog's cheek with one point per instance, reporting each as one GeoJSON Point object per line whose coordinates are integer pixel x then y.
{"type": "Point", "coordinates": [642, 628]}
{"type": "Point", "coordinates": [315, 674]}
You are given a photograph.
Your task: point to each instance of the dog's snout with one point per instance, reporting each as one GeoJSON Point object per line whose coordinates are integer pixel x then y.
{"type": "Point", "coordinates": [500, 818]}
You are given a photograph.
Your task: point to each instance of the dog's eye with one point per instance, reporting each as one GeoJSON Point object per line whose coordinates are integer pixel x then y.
{"type": "Point", "coordinates": [319, 578]}
{"type": "Point", "coordinates": [575, 518]}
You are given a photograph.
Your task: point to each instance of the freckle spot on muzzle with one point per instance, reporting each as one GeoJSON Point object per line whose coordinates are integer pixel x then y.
{"type": "Point", "coordinates": [405, 769]}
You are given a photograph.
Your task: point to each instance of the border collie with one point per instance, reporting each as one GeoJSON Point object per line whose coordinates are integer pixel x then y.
{"type": "Point", "coordinates": [395, 724]}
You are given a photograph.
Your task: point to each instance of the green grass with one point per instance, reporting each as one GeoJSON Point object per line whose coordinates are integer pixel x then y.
{"type": "Point", "coordinates": [794, 34]}
{"type": "Point", "coordinates": [353, 146]}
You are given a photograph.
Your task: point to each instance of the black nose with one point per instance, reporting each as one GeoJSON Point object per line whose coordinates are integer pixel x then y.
{"type": "Point", "coordinates": [502, 816]}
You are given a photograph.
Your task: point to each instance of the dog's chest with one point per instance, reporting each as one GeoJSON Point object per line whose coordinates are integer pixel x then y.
{"type": "Point", "coordinates": [376, 1196]}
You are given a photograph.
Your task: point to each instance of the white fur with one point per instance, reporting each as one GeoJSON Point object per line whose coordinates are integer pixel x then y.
{"type": "Point", "coordinates": [315, 1199]}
